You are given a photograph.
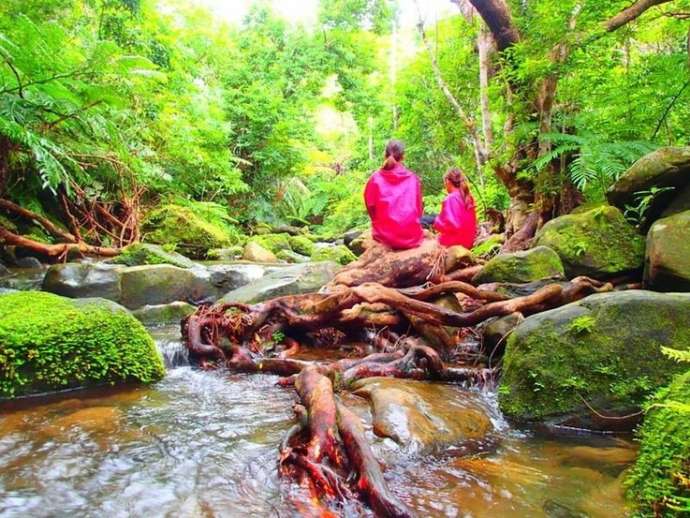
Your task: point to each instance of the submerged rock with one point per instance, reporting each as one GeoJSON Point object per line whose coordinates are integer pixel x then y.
{"type": "Point", "coordinates": [658, 482]}
{"type": "Point", "coordinates": [48, 342]}
{"type": "Point", "coordinates": [288, 280]}
{"type": "Point", "coordinates": [253, 251]}
{"type": "Point", "coordinates": [597, 243]}
{"type": "Point", "coordinates": [140, 254]}
{"type": "Point", "coordinates": [604, 349]}
{"type": "Point", "coordinates": [667, 167]}
{"type": "Point", "coordinates": [423, 416]}
{"type": "Point", "coordinates": [519, 267]}
{"type": "Point", "coordinates": [163, 314]}
{"type": "Point", "coordinates": [667, 262]}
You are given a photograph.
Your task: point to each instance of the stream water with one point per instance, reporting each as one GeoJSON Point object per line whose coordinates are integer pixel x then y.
{"type": "Point", "coordinates": [205, 444]}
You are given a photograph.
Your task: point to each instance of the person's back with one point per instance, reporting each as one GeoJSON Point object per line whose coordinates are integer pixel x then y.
{"type": "Point", "coordinates": [457, 222]}
{"type": "Point", "coordinates": [393, 197]}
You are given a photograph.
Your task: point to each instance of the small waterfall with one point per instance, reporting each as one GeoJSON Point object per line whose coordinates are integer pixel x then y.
{"type": "Point", "coordinates": [170, 345]}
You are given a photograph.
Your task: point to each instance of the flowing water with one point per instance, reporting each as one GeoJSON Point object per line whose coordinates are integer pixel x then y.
{"type": "Point", "coordinates": [205, 444]}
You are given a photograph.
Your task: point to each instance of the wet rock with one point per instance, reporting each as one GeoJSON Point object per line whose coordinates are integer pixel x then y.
{"type": "Point", "coordinates": [489, 246]}
{"type": "Point", "coordinates": [289, 280]}
{"type": "Point", "coordinates": [458, 257]}
{"type": "Point", "coordinates": [292, 257]}
{"type": "Point", "coordinates": [84, 280]}
{"type": "Point", "coordinates": [680, 202]}
{"type": "Point", "coordinates": [161, 284]}
{"type": "Point", "coordinates": [140, 254]}
{"type": "Point", "coordinates": [338, 254]}
{"type": "Point", "coordinates": [4, 270]}
{"type": "Point", "coordinates": [163, 314]}
{"type": "Point", "coordinates": [226, 277]}
{"type": "Point", "coordinates": [30, 263]}
{"type": "Point", "coordinates": [225, 254]}
{"type": "Point", "coordinates": [54, 343]}
{"type": "Point", "coordinates": [253, 251]}
{"type": "Point", "coordinates": [520, 267]}
{"type": "Point", "coordinates": [350, 236]}
{"type": "Point", "coordinates": [301, 245]}
{"type": "Point", "coordinates": [665, 167]}
{"type": "Point", "coordinates": [604, 349]}
{"type": "Point", "coordinates": [598, 243]}
{"type": "Point", "coordinates": [272, 242]}
{"type": "Point", "coordinates": [667, 261]}
{"type": "Point", "coordinates": [496, 332]}
{"type": "Point", "coordinates": [361, 243]}
{"type": "Point", "coordinates": [423, 416]}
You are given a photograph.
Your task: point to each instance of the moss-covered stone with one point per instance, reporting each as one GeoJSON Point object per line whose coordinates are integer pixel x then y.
{"type": "Point", "coordinates": [189, 231]}
{"type": "Point", "coordinates": [665, 167]}
{"type": "Point", "coordinates": [490, 246]}
{"type": "Point", "coordinates": [140, 254]}
{"type": "Point", "coordinates": [274, 243]}
{"type": "Point", "coordinates": [338, 254]}
{"type": "Point", "coordinates": [667, 261]}
{"type": "Point", "coordinates": [597, 243]}
{"type": "Point", "coordinates": [225, 254]}
{"type": "Point", "coordinates": [604, 349]}
{"type": "Point", "coordinates": [255, 252]}
{"type": "Point", "coordinates": [302, 245]}
{"type": "Point", "coordinates": [162, 314]}
{"type": "Point", "coordinates": [531, 265]}
{"type": "Point", "coordinates": [659, 482]}
{"type": "Point", "coordinates": [48, 342]}
{"type": "Point", "coordinates": [292, 257]}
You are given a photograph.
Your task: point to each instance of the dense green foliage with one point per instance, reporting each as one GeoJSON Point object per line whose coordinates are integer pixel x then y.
{"type": "Point", "coordinates": [281, 122]}
{"type": "Point", "coordinates": [49, 342]}
{"type": "Point", "coordinates": [660, 480]}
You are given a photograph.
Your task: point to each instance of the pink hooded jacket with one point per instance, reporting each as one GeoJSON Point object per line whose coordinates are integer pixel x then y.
{"type": "Point", "coordinates": [394, 200]}
{"type": "Point", "coordinates": [457, 222]}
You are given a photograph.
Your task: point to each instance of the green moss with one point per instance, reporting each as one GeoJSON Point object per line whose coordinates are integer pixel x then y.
{"type": "Point", "coordinates": [49, 342]}
{"type": "Point", "coordinates": [273, 242]}
{"type": "Point", "coordinates": [140, 254]}
{"type": "Point", "coordinates": [605, 349]}
{"type": "Point", "coordinates": [302, 245]}
{"type": "Point", "coordinates": [598, 242]}
{"type": "Point", "coordinates": [489, 247]}
{"type": "Point", "coordinates": [189, 231]}
{"type": "Point", "coordinates": [339, 254]}
{"type": "Point", "coordinates": [659, 482]}
{"type": "Point", "coordinates": [520, 267]}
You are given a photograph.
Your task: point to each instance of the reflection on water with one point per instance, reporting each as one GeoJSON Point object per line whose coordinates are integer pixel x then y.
{"type": "Point", "coordinates": [205, 444]}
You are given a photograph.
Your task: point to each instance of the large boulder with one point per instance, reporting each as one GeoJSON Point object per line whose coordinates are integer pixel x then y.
{"type": "Point", "coordinates": [288, 280]}
{"type": "Point", "coordinates": [667, 262]}
{"type": "Point", "coordinates": [665, 167]}
{"type": "Point", "coordinates": [423, 416]}
{"type": "Point", "coordinates": [48, 342]}
{"type": "Point", "coordinates": [188, 230]}
{"type": "Point", "coordinates": [603, 351]}
{"type": "Point", "coordinates": [140, 254]}
{"type": "Point", "coordinates": [597, 243]}
{"type": "Point", "coordinates": [658, 482]}
{"type": "Point", "coordinates": [519, 267]}
{"type": "Point", "coordinates": [80, 280]}
{"type": "Point", "coordinates": [162, 284]}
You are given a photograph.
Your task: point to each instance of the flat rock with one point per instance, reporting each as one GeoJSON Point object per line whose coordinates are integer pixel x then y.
{"type": "Point", "coordinates": [423, 416]}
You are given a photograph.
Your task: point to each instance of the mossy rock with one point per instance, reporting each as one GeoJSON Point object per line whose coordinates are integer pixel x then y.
{"type": "Point", "coordinates": [659, 482]}
{"type": "Point", "coordinates": [188, 231]}
{"type": "Point", "coordinates": [274, 243]}
{"type": "Point", "coordinates": [162, 314]}
{"type": "Point", "coordinates": [527, 266]}
{"type": "Point", "coordinates": [292, 257]}
{"type": "Point", "coordinates": [597, 243]}
{"type": "Point", "coordinates": [604, 349]}
{"type": "Point", "coordinates": [338, 254]}
{"type": "Point", "coordinates": [225, 254]}
{"type": "Point", "coordinates": [667, 167]}
{"type": "Point", "coordinates": [140, 254]}
{"type": "Point", "coordinates": [667, 261]}
{"type": "Point", "coordinates": [255, 252]}
{"type": "Point", "coordinates": [48, 343]}
{"type": "Point", "coordinates": [490, 246]}
{"type": "Point", "coordinates": [302, 245]}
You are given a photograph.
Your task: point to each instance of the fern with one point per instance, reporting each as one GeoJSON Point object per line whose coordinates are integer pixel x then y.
{"type": "Point", "coordinates": [676, 354]}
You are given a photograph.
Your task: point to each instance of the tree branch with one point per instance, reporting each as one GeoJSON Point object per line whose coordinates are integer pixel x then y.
{"type": "Point", "coordinates": [631, 13]}
{"type": "Point", "coordinates": [497, 17]}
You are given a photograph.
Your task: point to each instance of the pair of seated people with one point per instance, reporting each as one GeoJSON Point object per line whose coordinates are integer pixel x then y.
{"type": "Point", "coordinates": [393, 197]}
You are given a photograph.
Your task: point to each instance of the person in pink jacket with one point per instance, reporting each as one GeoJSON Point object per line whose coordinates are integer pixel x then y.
{"type": "Point", "coordinates": [393, 197]}
{"type": "Point", "coordinates": [457, 222]}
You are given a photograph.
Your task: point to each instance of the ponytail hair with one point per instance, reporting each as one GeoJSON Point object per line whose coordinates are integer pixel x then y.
{"type": "Point", "coordinates": [395, 152]}
{"type": "Point", "coordinates": [458, 180]}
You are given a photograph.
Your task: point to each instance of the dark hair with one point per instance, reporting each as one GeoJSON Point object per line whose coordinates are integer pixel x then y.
{"type": "Point", "coordinates": [395, 151]}
{"type": "Point", "coordinates": [458, 180]}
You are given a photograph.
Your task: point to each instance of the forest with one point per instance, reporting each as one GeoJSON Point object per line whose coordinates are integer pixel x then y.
{"type": "Point", "coordinates": [182, 200]}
